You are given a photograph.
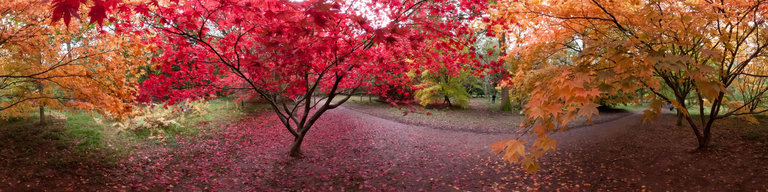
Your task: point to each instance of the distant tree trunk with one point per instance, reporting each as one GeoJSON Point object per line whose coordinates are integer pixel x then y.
{"type": "Point", "coordinates": [42, 105]}
{"type": "Point", "coordinates": [447, 100]}
{"type": "Point", "coordinates": [42, 114]}
{"type": "Point", "coordinates": [505, 104]}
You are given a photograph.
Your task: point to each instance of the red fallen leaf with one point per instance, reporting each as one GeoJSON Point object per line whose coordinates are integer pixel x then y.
{"type": "Point", "coordinates": [428, 113]}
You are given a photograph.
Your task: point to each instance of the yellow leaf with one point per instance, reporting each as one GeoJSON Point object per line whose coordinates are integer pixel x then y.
{"type": "Point", "coordinates": [540, 130]}
{"type": "Point", "coordinates": [530, 165]}
{"type": "Point", "coordinates": [545, 143]}
{"type": "Point", "coordinates": [514, 149]}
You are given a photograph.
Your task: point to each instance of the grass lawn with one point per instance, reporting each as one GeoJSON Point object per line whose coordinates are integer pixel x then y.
{"type": "Point", "coordinates": [481, 116]}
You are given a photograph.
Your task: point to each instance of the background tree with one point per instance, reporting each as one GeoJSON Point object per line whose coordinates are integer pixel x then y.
{"type": "Point", "coordinates": [443, 86]}
{"type": "Point", "coordinates": [488, 50]}
{"type": "Point", "coordinates": [704, 48]}
{"type": "Point", "coordinates": [79, 66]}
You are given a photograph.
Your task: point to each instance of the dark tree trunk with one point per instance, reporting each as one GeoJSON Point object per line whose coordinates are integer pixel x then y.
{"type": "Point", "coordinates": [296, 147]}
{"type": "Point", "coordinates": [702, 135]}
{"type": "Point", "coordinates": [706, 135]}
{"type": "Point", "coordinates": [679, 118]}
{"type": "Point", "coordinates": [704, 140]}
{"type": "Point", "coordinates": [448, 100]}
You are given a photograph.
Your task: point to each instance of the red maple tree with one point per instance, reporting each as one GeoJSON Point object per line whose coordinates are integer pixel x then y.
{"type": "Point", "coordinates": [303, 58]}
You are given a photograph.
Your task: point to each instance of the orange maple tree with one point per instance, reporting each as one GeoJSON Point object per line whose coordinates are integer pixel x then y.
{"type": "Point", "coordinates": [581, 51]}
{"type": "Point", "coordinates": [76, 66]}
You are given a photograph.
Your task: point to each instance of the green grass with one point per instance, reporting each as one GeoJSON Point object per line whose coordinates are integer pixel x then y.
{"type": "Point", "coordinates": [630, 107]}
{"type": "Point", "coordinates": [83, 129]}
{"type": "Point", "coordinates": [220, 108]}
{"type": "Point", "coordinates": [694, 111]}
{"type": "Point", "coordinates": [78, 127]}
{"type": "Point", "coordinates": [68, 138]}
{"type": "Point", "coordinates": [365, 100]}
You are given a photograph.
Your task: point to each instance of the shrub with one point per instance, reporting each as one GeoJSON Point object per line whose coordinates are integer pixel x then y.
{"type": "Point", "coordinates": [156, 120]}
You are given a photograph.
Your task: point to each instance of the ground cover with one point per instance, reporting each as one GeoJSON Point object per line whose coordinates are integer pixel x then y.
{"type": "Point", "coordinates": [351, 150]}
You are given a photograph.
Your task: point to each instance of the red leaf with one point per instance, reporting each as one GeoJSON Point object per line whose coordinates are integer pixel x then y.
{"type": "Point", "coordinates": [65, 9]}
{"type": "Point", "coordinates": [97, 13]}
{"type": "Point", "coordinates": [141, 9]}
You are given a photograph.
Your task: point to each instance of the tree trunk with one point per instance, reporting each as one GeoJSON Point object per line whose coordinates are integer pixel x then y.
{"type": "Point", "coordinates": [42, 114]}
{"type": "Point", "coordinates": [42, 105]}
{"type": "Point", "coordinates": [447, 100]}
{"type": "Point", "coordinates": [704, 140]}
{"type": "Point", "coordinates": [296, 147]}
{"type": "Point", "coordinates": [706, 136]}
{"type": "Point", "coordinates": [679, 118]}
{"type": "Point", "coordinates": [505, 104]}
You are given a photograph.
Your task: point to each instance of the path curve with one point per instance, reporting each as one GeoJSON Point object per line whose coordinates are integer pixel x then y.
{"type": "Point", "coordinates": [601, 129]}
{"type": "Point", "coordinates": [458, 159]}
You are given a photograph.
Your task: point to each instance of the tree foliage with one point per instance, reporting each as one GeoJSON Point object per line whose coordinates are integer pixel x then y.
{"type": "Point", "coordinates": [66, 10]}
{"type": "Point", "coordinates": [303, 58]}
{"type": "Point", "coordinates": [714, 50]}
{"type": "Point", "coordinates": [80, 66]}
{"type": "Point", "coordinates": [441, 86]}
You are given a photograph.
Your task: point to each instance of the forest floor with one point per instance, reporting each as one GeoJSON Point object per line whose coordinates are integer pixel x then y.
{"type": "Point", "coordinates": [58, 156]}
{"type": "Point", "coordinates": [361, 147]}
